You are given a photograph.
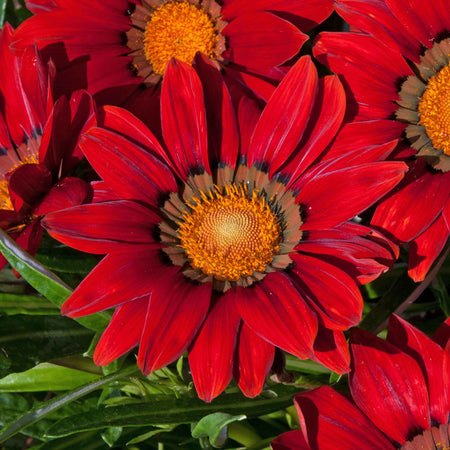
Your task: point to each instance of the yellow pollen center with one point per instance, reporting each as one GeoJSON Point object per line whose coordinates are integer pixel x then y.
{"type": "Point", "coordinates": [229, 235]}
{"type": "Point", "coordinates": [180, 30]}
{"type": "Point", "coordinates": [5, 199]}
{"type": "Point", "coordinates": [434, 109]}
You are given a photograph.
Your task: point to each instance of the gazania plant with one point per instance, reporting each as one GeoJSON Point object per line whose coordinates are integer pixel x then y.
{"type": "Point", "coordinates": [224, 224]}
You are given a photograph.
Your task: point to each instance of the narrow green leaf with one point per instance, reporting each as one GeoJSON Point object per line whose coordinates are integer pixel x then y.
{"type": "Point", "coordinates": [45, 377]}
{"type": "Point", "coordinates": [12, 304]}
{"type": "Point", "coordinates": [111, 434]}
{"type": "Point", "coordinates": [58, 402]}
{"type": "Point", "coordinates": [2, 12]}
{"type": "Point", "coordinates": [44, 281]}
{"type": "Point", "coordinates": [213, 426]}
{"type": "Point", "coordinates": [27, 340]}
{"type": "Point", "coordinates": [65, 259]}
{"type": "Point", "coordinates": [169, 410]}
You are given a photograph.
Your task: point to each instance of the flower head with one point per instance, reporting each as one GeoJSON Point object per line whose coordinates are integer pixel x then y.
{"type": "Point", "coordinates": [37, 145]}
{"type": "Point", "coordinates": [397, 70]}
{"type": "Point", "coordinates": [125, 44]}
{"type": "Point", "coordinates": [400, 396]}
{"type": "Point", "coordinates": [228, 251]}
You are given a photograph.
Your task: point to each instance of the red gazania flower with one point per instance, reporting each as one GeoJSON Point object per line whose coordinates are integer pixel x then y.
{"type": "Point", "coordinates": [128, 43]}
{"type": "Point", "coordinates": [38, 142]}
{"type": "Point", "coordinates": [398, 77]}
{"type": "Point", "coordinates": [400, 396]}
{"type": "Point", "coordinates": [227, 252]}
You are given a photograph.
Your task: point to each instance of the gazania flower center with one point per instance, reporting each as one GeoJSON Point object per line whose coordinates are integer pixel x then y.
{"type": "Point", "coordinates": [180, 30]}
{"type": "Point", "coordinates": [437, 438]}
{"type": "Point", "coordinates": [434, 109]}
{"type": "Point", "coordinates": [229, 234]}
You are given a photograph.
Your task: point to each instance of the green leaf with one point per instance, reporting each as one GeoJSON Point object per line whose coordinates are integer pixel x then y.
{"type": "Point", "coordinates": [65, 259]}
{"type": "Point", "coordinates": [2, 12]}
{"type": "Point", "coordinates": [213, 426]}
{"type": "Point", "coordinates": [44, 281]}
{"type": "Point", "coordinates": [26, 304]}
{"type": "Point", "coordinates": [45, 377]}
{"type": "Point", "coordinates": [58, 402]}
{"type": "Point", "coordinates": [441, 294]}
{"type": "Point", "coordinates": [27, 340]}
{"type": "Point", "coordinates": [170, 410]}
{"type": "Point", "coordinates": [111, 434]}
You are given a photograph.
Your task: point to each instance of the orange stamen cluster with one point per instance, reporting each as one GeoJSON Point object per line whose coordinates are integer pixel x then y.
{"type": "Point", "coordinates": [178, 30]}
{"type": "Point", "coordinates": [229, 234]}
{"type": "Point", "coordinates": [434, 109]}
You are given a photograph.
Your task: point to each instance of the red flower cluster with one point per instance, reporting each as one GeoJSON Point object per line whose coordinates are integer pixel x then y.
{"type": "Point", "coordinates": [400, 396]}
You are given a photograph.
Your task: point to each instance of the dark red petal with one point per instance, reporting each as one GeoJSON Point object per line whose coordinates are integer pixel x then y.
{"type": "Point", "coordinates": [37, 6]}
{"type": "Point", "coordinates": [117, 279]}
{"type": "Point", "coordinates": [103, 227]}
{"type": "Point", "coordinates": [68, 192]}
{"type": "Point", "coordinates": [327, 115]}
{"type": "Point", "coordinates": [223, 135]}
{"type": "Point", "coordinates": [123, 332]}
{"type": "Point", "coordinates": [260, 41]}
{"type": "Point", "coordinates": [128, 169]}
{"type": "Point", "coordinates": [275, 310]}
{"type": "Point", "coordinates": [429, 356]}
{"type": "Point", "coordinates": [426, 248]}
{"type": "Point", "coordinates": [248, 113]}
{"type": "Point", "coordinates": [388, 386]}
{"type": "Point", "coordinates": [124, 122]}
{"type": "Point", "coordinates": [419, 18]}
{"type": "Point", "coordinates": [175, 313]}
{"type": "Point", "coordinates": [414, 204]}
{"type": "Point", "coordinates": [362, 252]}
{"type": "Point", "coordinates": [291, 440]}
{"type": "Point", "coordinates": [211, 355]}
{"type": "Point", "coordinates": [329, 290]}
{"type": "Point", "coordinates": [442, 334]}
{"type": "Point", "coordinates": [284, 119]}
{"type": "Point", "coordinates": [27, 184]}
{"type": "Point", "coordinates": [331, 350]}
{"type": "Point", "coordinates": [307, 13]}
{"type": "Point", "coordinates": [30, 238]}
{"type": "Point", "coordinates": [183, 118]}
{"type": "Point", "coordinates": [102, 193]}
{"type": "Point", "coordinates": [374, 17]}
{"type": "Point", "coordinates": [330, 421]}
{"type": "Point", "coordinates": [255, 358]}
{"type": "Point", "coordinates": [335, 197]}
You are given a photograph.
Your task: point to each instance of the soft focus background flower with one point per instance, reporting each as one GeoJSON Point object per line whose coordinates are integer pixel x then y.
{"type": "Point", "coordinates": [400, 396]}
{"type": "Point", "coordinates": [396, 68]}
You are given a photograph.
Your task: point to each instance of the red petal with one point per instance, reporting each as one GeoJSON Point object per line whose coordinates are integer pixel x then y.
{"type": "Point", "coordinates": [442, 334]}
{"type": "Point", "coordinates": [260, 41]}
{"type": "Point", "coordinates": [66, 193]}
{"type": "Point", "coordinates": [103, 227]}
{"type": "Point", "coordinates": [291, 440]}
{"type": "Point", "coordinates": [331, 350]}
{"type": "Point", "coordinates": [415, 203]}
{"type": "Point", "coordinates": [123, 332]}
{"type": "Point", "coordinates": [117, 279]}
{"type": "Point", "coordinates": [275, 310]}
{"type": "Point", "coordinates": [211, 356]}
{"type": "Point", "coordinates": [248, 112]}
{"type": "Point", "coordinates": [329, 290]}
{"type": "Point", "coordinates": [176, 311]}
{"type": "Point", "coordinates": [284, 119]}
{"type": "Point", "coordinates": [223, 133]}
{"type": "Point", "coordinates": [332, 198]}
{"type": "Point", "coordinates": [426, 248]}
{"type": "Point", "coordinates": [255, 358]}
{"type": "Point", "coordinates": [374, 17]}
{"type": "Point", "coordinates": [129, 170]}
{"type": "Point", "coordinates": [102, 193]}
{"type": "Point", "coordinates": [330, 421]}
{"type": "Point", "coordinates": [429, 356]}
{"type": "Point", "coordinates": [388, 386]}
{"type": "Point", "coordinates": [27, 184]}
{"type": "Point", "coordinates": [328, 113]}
{"type": "Point", "coordinates": [30, 238]}
{"type": "Point", "coordinates": [183, 119]}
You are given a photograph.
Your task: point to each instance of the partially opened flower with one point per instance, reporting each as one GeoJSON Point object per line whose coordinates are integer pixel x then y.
{"type": "Point", "coordinates": [398, 76]}
{"type": "Point", "coordinates": [400, 396]}
{"type": "Point", "coordinates": [223, 252]}
{"type": "Point", "coordinates": [125, 42]}
{"type": "Point", "coordinates": [37, 145]}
